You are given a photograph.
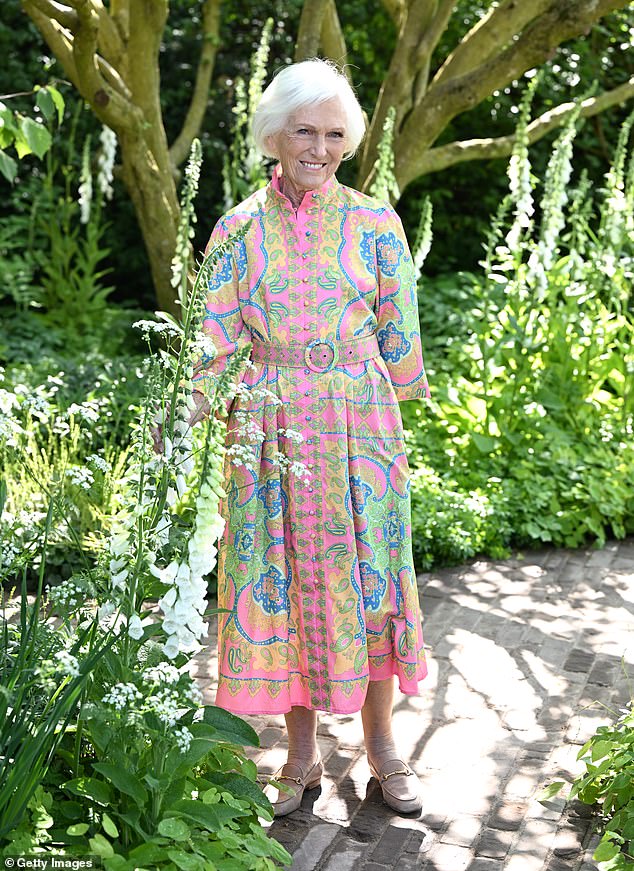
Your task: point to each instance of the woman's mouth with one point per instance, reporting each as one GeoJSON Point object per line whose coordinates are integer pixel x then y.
{"type": "Point", "coordinates": [312, 165]}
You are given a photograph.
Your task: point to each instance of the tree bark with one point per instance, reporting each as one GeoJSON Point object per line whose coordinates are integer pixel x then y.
{"type": "Point", "coordinates": [310, 25]}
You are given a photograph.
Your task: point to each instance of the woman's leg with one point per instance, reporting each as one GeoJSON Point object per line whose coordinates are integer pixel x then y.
{"type": "Point", "coordinates": [376, 716]}
{"type": "Point", "coordinates": [301, 725]}
{"type": "Point", "coordinates": [399, 785]}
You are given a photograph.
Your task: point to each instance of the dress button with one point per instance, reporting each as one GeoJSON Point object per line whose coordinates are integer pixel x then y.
{"type": "Point", "coordinates": [308, 391]}
{"type": "Point", "coordinates": [308, 233]}
{"type": "Point", "coordinates": [309, 417]}
{"type": "Point", "coordinates": [306, 302]}
{"type": "Point", "coordinates": [306, 371]}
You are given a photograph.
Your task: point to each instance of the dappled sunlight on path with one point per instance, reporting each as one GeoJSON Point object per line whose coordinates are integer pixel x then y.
{"type": "Point", "coordinates": [526, 656]}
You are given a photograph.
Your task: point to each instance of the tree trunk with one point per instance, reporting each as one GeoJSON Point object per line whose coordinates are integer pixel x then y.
{"type": "Point", "coordinates": [153, 194]}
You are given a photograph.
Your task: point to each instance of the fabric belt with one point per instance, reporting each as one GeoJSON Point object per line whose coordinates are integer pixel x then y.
{"type": "Point", "coordinates": [319, 355]}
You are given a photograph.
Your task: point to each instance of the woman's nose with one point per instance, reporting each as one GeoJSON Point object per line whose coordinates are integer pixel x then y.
{"type": "Point", "coordinates": [319, 146]}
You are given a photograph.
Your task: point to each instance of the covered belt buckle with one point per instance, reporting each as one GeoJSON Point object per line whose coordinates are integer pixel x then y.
{"type": "Point", "coordinates": [320, 356]}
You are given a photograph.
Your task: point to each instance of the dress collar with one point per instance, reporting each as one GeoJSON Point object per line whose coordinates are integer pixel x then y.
{"type": "Point", "coordinates": [326, 192]}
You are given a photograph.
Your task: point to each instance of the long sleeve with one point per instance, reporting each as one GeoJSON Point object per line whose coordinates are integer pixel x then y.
{"type": "Point", "coordinates": [398, 327]}
{"type": "Point", "coordinates": [223, 322]}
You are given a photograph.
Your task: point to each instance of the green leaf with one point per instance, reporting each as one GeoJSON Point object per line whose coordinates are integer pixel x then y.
{"type": "Point", "coordinates": [59, 102]}
{"type": "Point", "coordinates": [88, 787]}
{"type": "Point", "coordinates": [235, 729]}
{"type": "Point", "coordinates": [77, 829]}
{"type": "Point", "coordinates": [210, 817]}
{"type": "Point", "coordinates": [175, 829]}
{"type": "Point", "coordinates": [484, 443]}
{"type": "Point", "coordinates": [600, 749]}
{"type": "Point", "coordinates": [109, 826]}
{"type": "Point", "coordinates": [147, 854]}
{"type": "Point", "coordinates": [186, 861]}
{"type": "Point", "coordinates": [8, 167]}
{"type": "Point", "coordinates": [37, 136]}
{"type": "Point", "coordinates": [240, 787]}
{"type": "Point", "coordinates": [101, 846]}
{"type": "Point", "coordinates": [45, 103]}
{"type": "Point", "coordinates": [551, 790]}
{"type": "Point", "coordinates": [123, 780]}
{"type": "Point", "coordinates": [605, 851]}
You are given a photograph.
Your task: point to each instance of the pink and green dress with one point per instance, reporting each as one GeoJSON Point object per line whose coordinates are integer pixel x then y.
{"type": "Point", "coordinates": [318, 577]}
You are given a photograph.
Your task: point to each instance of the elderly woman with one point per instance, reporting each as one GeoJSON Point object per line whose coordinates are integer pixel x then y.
{"type": "Point", "coordinates": [317, 576]}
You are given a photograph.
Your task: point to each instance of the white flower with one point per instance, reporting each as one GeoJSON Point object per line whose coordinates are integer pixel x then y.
{"type": "Point", "coordinates": [83, 477]}
{"type": "Point", "coordinates": [183, 738]}
{"type": "Point", "coordinates": [105, 162]}
{"type": "Point", "coordinates": [135, 627]}
{"type": "Point", "coordinates": [122, 695]}
{"type": "Point", "coordinates": [162, 673]}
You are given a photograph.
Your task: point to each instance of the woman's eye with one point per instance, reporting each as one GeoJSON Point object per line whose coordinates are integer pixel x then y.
{"type": "Point", "coordinates": [302, 131]}
{"type": "Point", "coordinates": [337, 134]}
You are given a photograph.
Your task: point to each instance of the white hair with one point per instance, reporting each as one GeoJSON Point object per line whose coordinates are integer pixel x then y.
{"type": "Point", "coordinates": [303, 84]}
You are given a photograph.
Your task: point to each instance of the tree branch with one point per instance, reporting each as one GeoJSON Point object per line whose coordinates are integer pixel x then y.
{"type": "Point", "coordinates": [445, 156]}
{"type": "Point", "coordinates": [198, 105]}
{"type": "Point", "coordinates": [58, 38]}
{"type": "Point", "coordinates": [310, 26]}
{"type": "Point", "coordinates": [397, 10]}
{"type": "Point", "coordinates": [120, 14]}
{"type": "Point", "coordinates": [564, 20]}
{"type": "Point", "coordinates": [397, 85]}
{"type": "Point", "coordinates": [332, 40]}
{"type": "Point", "coordinates": [490, 35]}
{"type": "Point", "coordinates": [428, 43]}
{"type": "Point", "coordinates": [111, 46]}
{"type": "Point", "coordinates": [58, 11]}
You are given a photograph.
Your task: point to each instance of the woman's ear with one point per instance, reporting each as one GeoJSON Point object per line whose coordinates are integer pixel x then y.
{"type": "Point", "coordinates": [271, 146]}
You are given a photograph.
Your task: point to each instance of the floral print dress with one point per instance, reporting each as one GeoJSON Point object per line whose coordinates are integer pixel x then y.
{"type": "Point", "coordinates": [317, 576]}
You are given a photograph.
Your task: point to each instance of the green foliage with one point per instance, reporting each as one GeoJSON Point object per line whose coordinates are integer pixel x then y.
{"type": "Point", "coordinates": [609, 784]}
{"type": "Point", "coordinates": [21, 132]}
{"type": "Point", "coordinates": [532, 372]}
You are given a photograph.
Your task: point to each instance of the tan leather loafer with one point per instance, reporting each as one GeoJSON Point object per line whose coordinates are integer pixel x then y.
{"type": "Point", "coordinates": [298, 779]}
{"type": "Point", "coordinates": [399, 785]}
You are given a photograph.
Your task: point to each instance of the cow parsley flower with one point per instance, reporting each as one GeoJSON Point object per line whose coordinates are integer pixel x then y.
{"type": "Point", "coordinates": [122, 695]}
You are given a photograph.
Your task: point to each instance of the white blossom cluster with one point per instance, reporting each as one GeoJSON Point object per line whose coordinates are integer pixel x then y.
{"type": "Point", "coordinates": [81, 477]}
{"type": "Point", "coordinates": [105, 162]}
{"type": "Point", "coordinates": [85, 184]}
{"type": "Point", "coordinates": [164, 672]}
{"type": "Point", "coordinates": [50, 670]}
{"type": "Point", "coordinates": [67, 593]}
{"type": "Point", "coordinates": [98, 462]}
{"type": "Point", "coordinates": [160, 328]}
{"type": "Point", "coordinates": [122, 695]}
{"type": "Point", "coordinates": [183, 738]}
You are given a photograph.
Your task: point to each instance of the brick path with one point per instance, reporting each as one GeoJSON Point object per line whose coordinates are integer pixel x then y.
{"type": "Point", "coordinates": [520, 652]}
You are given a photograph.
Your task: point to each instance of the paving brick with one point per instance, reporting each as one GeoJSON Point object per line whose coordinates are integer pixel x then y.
{"type": "Point", "coordinates": [317, 841]}
{"type": "Point", "coordinates": [569, 839]}
{"type": "Point", "coordinates": [494, 844]}
{"type": "Point", "coordinates": [447, 857]}
{"type": "Point", "coordinates": [346, 857]}
{"type": "Point", "coordinates": [390, 846]}
{"type": "Point", "coordinates": [508, 816]}
{"type": "Point", "coordinates": [462, 831]}
{"type": "Point", "coordinates": [481, 863]}
{"type": "Point", "coordinates": [579, 660]}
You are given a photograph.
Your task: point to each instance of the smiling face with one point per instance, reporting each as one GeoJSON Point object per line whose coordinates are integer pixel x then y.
{"type": "Point", "coordinates": [310, 147]}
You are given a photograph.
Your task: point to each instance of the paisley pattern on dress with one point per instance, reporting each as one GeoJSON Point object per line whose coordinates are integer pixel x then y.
{"type": "Point", "coordinates": [317, 578]}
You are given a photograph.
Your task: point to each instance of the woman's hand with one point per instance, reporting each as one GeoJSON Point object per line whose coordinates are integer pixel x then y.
{"type": "Point", "coordinates": [201, 411]}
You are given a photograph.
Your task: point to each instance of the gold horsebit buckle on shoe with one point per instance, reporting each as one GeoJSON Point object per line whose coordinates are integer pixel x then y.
{"type": "Point", "coordinates": [405, 771]}
{"type": "Point", "coordinates": [288, 777]}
